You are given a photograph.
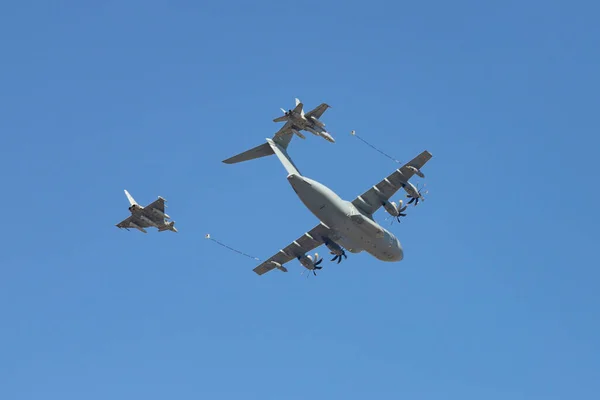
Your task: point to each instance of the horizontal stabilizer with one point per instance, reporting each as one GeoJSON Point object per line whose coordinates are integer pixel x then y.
{"type": "Point", "coordinates": [281, 119]}
{"type": "Point", "coordinates": [257, 152]}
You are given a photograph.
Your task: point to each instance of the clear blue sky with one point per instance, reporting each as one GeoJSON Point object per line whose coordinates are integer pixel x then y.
{"type": "Point", "coordinates": [497, 296]}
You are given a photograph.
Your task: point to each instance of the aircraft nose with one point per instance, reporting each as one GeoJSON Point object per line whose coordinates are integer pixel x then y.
{"type": "Point", "coordinates": [328, 137]}
{"type": "Point", "coordinates": [399, 253]}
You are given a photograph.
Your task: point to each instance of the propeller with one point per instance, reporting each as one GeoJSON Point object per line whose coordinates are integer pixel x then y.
{"type": "Point", "coordinates": [416, 199]}
{"type": "Point", "coordinates": [400, 210]}
{"type": "Point", "coordinates": [396, 208]}
{"type": "Point", "coordinates": [316, 263]}
{"type": "Point", "coordinates": [338, 257]}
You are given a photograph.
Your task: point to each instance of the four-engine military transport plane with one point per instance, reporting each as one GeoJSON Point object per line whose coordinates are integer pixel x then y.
{"type": "Point", "coordinates": [342, 224]}
{"type": "Point", "coordinates": [297, 121]}
{"type": "Point", "coordinates": [151, 215]}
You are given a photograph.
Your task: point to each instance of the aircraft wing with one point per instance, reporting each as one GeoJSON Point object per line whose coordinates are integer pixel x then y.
{"type": "Point", "coordinates": [286, 128]}
{"type": "Point", "coordinates": [158, 204]}
{"type": "Point", "coordinates": [133, 222]}
{"type": "Point", "coordinates": [372, 199]}
{"type": "Point", "coordinates": [317, 112]}
{"type": "Point", "coordinates": [305, 243]}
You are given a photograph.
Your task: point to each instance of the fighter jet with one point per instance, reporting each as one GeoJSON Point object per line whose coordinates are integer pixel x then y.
{"type": "Point", "coordinates": [342, 224]}
{"type": "Point", "coordinates": [153, 215]}
{"type": "Point", "coordinates": [297, 121]}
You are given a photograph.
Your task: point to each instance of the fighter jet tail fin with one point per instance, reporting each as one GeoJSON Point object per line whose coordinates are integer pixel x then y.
{"type": "Point", "coordinates": [299, 107]}
{"type": "Point", "coordinates": [130, 198]}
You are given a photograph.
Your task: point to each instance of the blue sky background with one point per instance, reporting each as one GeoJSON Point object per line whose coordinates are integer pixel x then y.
{"type": "Point", "coordinates": [497, 296]}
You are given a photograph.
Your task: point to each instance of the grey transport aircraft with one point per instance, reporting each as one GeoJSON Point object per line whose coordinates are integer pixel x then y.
{"type": "Point", "coordinates": [153, 215]}
{"type": "Point", "coordinates": [297, 121]}
{"type": "Point", "coordinates": [342, 224]}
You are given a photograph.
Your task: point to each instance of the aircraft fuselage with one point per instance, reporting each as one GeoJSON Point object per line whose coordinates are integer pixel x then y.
{"type": "Point", "coordinates": [152, 217]}
{"type": "Point", "coordinates": [304, 124]}
{"type": "Point", "coordinates": [353, 230]}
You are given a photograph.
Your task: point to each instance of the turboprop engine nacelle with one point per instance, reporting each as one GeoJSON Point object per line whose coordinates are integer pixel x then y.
{"type": "Point", "coordinates": [392, 208]}
{"type": "Point", "coordinates": [308, 262]}
{"type": "Point", "coordinates": [334, 247]}
{"type": "Point", "coordinates": [411, 189]}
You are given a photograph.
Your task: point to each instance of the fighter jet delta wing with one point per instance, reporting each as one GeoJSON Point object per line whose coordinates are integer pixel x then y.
{"type": "Point", "coordinates": [133, 222]}
{"type": "Point", "coordinates": [299, 247]}
{"type": "Point", "coordinates": [378, 195]}
{"type": "Point", "coordinates": [317, 112]}
{"type": "Point", "coordinates": [156, 209]}
{"type": "Point", "coordinates": [153, 215]}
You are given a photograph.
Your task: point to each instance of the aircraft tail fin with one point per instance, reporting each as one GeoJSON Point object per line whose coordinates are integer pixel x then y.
{"type": "Point", "coordinates": [130, 198]}
{"type": "Point", "coordinates": [299, 107]}
{"type": "Point", "coordinates": [284, 157]}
